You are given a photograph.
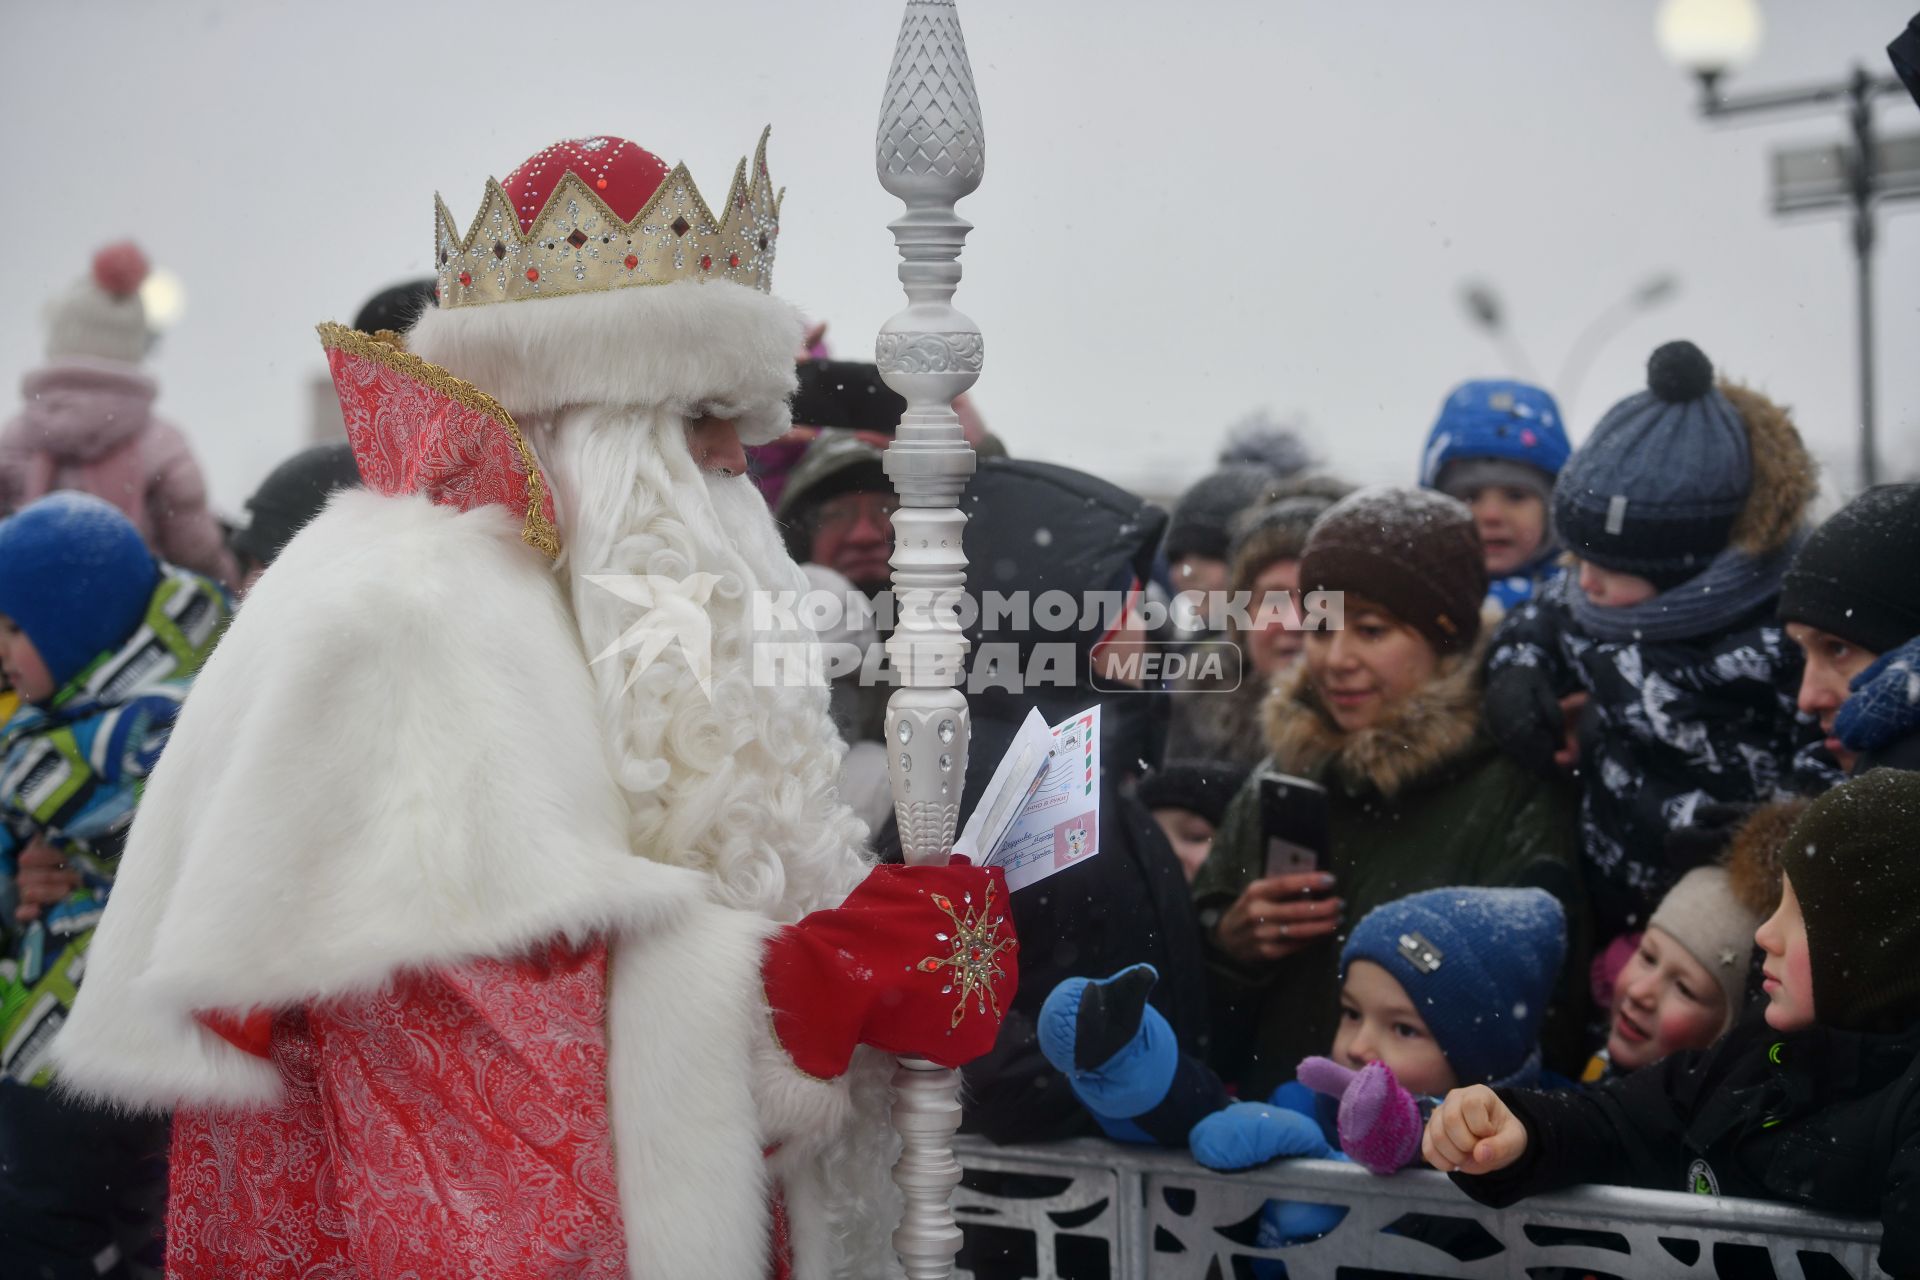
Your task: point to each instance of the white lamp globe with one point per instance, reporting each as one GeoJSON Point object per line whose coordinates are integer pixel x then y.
{"type": "Point", "coordinates": [1709, 37]}
{"type": "Point", "coordinates": [164, 298]}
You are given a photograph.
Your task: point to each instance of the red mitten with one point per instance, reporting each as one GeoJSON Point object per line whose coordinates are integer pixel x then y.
{"type": "Point", "coordinates": [917, 961]}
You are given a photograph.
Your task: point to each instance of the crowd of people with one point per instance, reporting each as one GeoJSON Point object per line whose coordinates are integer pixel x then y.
{"type": "Point", "coordinates": [1619, 755]}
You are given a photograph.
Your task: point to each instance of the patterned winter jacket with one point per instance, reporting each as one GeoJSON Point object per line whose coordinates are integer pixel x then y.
{"type": "Point", "coordinates": [1669, 726]}
{"type": "Point", "coordinates": [71, 773]}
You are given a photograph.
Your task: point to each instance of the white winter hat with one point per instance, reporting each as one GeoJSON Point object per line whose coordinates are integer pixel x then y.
{"type": "Point", "coordinates": [1702, 914]}
{"type": "Point", "coordinates": [101, 315]}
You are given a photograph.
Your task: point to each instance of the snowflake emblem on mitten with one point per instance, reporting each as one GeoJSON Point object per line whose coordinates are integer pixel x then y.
{"type": "Point", "coordinates": [975, 958]}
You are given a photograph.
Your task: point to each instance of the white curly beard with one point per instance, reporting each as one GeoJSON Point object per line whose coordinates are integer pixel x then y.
{"type": "Point", "coordinates": [744, 785]}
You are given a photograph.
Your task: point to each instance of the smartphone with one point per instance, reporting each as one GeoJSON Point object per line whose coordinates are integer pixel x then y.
{"type": "Point", "coordinates": [1293, 818]}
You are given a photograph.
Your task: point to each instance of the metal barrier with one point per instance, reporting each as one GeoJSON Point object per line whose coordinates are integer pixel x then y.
{"type": "Point", "coordinates": [1092, 1210]}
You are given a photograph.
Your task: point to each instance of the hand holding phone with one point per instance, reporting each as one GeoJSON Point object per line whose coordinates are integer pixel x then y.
{"type": "Point", "coordinates": [1293, 824]}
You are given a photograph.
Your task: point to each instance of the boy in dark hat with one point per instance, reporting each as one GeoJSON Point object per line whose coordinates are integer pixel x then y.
{"type": "Point", "coordinates": [1497, 447]}
{"type": "Point", "coordinates": [1684, 507]}
{"type": "Point", "coordinates": [1815, 1101]}
{"type": "Point", "coordinates": [1850, 601]}
{"type": "Point", "coordinates": [1187, 799]}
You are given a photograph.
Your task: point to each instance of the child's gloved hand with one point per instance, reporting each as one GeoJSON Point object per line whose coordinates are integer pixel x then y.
{"type": "Point", "coordinates": [1251, 1133]}
{"type": "Point", "coordinates": [1472, 1132]}
{"type": "Point", "coordinates": [1525, 717]}
{"type": "Point", "coordinates": [1114, 1048]}
{"type": "Point", "coordinates": [1379, 1121]}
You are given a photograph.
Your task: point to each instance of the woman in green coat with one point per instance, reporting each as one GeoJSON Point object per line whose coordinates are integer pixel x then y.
{"type": "Point", "coordinates": [1385, 713]}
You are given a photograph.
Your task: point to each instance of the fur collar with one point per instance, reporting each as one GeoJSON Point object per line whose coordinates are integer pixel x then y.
{"type": "Point", "coordinates": [1436, 727]}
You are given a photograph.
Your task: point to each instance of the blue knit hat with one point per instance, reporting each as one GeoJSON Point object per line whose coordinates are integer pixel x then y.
{"type": "Point", "coordinates": [1656, 488]}
{"type": "Point", "coordinates": [1494, 420]}
{"type": "Point", "coordinates": [75, 576]}
{"type": "Point", "coordinates": [1479, 965]}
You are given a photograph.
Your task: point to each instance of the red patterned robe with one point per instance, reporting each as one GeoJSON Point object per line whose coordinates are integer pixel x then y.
{"type": "Point", "coordinates": [459, 1119]}
{"type": "Point", "coordinates": [381, 944]}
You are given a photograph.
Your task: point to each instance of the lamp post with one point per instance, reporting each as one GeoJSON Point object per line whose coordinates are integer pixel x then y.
{"type": "Point", "coordinates": [1713, 37]}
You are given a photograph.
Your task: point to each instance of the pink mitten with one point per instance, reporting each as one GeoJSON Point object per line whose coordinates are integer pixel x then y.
{"type": "Point", "coordinates": [1379, 1122]}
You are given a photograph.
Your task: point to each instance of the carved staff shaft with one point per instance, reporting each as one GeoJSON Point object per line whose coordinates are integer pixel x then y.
{"type": "Point", "coordinates": [930, 153]}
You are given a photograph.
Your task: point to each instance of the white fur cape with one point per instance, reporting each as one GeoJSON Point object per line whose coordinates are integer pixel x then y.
{"type": "Point", "coordinates": [696, 346]}
{"type": "Point", "coordinates": [392, 761]}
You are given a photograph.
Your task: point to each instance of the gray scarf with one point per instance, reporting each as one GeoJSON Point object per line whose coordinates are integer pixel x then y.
{"type": "Point", "coordinates": [1733, 585]}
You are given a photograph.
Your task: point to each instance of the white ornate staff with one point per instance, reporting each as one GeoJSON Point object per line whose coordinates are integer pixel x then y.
{"type": "Point", "coordinates": [931, 151]}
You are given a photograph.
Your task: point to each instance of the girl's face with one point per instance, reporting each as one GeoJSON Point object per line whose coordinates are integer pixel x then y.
{"type": "Point", "coordinates": [22, 664]}
{"type": "Point", "coordinates": [1512, 523]}
{"type": "Point", "coordinates": [1789, 967]}
{"type": "Point", "coordinates": [1664, 1001]}
{"type": "Point", "coordinates": [1378, 1024]}
{"type": "Point", "coordinates": [1366, 668]}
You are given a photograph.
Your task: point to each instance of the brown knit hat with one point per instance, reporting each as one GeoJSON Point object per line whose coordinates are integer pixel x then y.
{"type": "Point", "coordinates": [1853, 863]}
{"type": "Point", "coordinates": [1415, 552]}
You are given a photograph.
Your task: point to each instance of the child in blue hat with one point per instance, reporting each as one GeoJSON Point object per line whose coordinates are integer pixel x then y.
{"type": "Point", "coordinates": [1437, 989]}
{"type": "Point", "coordinates": [1497, 446]}
{"type": "Point", "coordinates": [99, 641]}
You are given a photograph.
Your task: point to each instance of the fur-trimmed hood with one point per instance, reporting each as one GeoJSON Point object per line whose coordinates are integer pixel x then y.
{"type": "Point", "coordinates": [1436, 727]}
{"type": "Point", "coordinates": [1785, 476]}
{"type": "Point", "coordinates": [1752, 859]}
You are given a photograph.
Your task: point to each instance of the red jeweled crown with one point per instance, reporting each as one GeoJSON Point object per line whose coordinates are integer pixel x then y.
{"type": "Point", "coordinates": [598, 213]}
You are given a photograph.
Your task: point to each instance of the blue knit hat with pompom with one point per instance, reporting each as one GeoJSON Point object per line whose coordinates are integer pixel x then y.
{"type": "Point", "coordinates": [76, 577]}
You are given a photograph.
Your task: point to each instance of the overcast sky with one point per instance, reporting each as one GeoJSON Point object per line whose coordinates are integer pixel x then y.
{"type": "Point", "coordinates": [1190, 210]}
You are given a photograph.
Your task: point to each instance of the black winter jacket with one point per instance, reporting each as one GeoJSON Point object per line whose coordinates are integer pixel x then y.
{"type": "Point", "coordinates": [1828, 1119]}
{"type": "Point", "coordinates": [1669, 726]}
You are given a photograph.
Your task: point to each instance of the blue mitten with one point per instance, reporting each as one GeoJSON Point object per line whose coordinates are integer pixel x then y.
{"type": "Point", "coordinates": [1251, 1133]}
{"type": "Point", "coordinates": [1113, 1047]}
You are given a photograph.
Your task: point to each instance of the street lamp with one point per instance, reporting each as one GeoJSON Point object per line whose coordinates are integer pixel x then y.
{"type": "Point", "coordinates": [1485, 309]}
{"type": "Point", "coordinates": [1488, 313]}
{"type": "Point", "coordinates": [1645, 296]}
{"type": "Point", "coordinates": [1713, 37]}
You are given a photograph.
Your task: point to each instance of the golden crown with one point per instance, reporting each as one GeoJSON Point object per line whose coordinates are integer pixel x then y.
{"type": "Point", "coordinates": [576, 243]}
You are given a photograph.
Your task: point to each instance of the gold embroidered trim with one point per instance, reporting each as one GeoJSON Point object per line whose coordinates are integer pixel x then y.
{"type": "Point", "coordinates": [387, 348]}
